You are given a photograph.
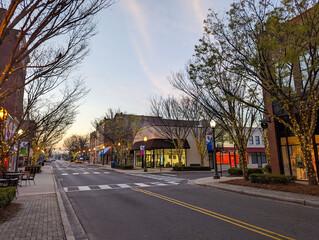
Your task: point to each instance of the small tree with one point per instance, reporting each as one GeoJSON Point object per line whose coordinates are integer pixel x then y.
{"type": "Point", "coordinates": [194, 112]}
{"type": "Point", "coordinates": [119, 130]}
{"type": "Point", "coordinates": [209, 86]}
{"type": "Point", "coordinates": [171, 123]}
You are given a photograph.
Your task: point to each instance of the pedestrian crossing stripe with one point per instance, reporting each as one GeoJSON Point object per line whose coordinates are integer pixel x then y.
{"type": "Point", "coordinates": [83, 173]}
{"type": "Point", "coordinates": [163, 177]}
{"type": "Point", "coordinates": [117, 186]}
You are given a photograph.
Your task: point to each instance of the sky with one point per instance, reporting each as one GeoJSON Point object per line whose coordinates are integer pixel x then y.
{"type": "Point", "coordinates": [139, 43]}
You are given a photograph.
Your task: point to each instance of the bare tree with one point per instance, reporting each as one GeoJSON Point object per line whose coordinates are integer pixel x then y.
{"type": "Point", "coordinates": [209, 86]}
{"type": "Point", "coordinates": [171, 122]}
{"type": "Point", "coordinates": [76, 143]}
{"type": "Point", "coordinates": [119, 130]}
{"type": "Point", "coordinates": [56, 32]}
{"type": "Point", "coordinates": [193, 112]}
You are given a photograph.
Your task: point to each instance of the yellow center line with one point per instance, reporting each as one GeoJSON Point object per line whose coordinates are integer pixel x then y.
{"type": "Point", "coordinates": [233, 221]}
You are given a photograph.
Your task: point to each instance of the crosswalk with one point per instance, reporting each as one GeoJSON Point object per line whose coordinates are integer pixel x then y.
{"type": "Point", "coordinates": [118, 186]}
{"type": "Point", "coordinates": [163, 177]}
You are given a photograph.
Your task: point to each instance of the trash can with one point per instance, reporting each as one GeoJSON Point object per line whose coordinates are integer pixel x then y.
{"type": "Point", "coordinates": [112, 164]}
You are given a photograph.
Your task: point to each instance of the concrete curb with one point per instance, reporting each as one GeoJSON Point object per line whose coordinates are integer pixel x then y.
{"type": "Point", "coordinates": [65, 221]}
{"type": "Point", "coordinates": [304, 202]}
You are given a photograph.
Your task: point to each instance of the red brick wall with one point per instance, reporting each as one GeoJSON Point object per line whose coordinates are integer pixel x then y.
{"type": "Point", "coordinates": [14, 103]}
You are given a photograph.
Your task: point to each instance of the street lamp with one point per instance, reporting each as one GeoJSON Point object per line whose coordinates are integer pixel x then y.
{"type": "Point", "coordinates": [145, 168]}
{"type": "Point", "coordinates": [3, 113]}
{"type": "Point", "coordinates": [213, 125]}
{"type": "Point", "coordinates": [20, 132]}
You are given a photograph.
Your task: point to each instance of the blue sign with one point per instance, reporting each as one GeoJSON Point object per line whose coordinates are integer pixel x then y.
{"type": "Point", "coordinates": [209, 143]}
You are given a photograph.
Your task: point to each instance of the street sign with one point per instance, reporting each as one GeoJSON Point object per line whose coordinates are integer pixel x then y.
{"type": "Point", "coordinates": [142, 150]}
{"type": "Point", "coordinates": [209, 142]}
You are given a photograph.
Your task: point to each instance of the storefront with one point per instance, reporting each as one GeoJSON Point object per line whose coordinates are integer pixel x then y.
{"type": "Point", "coordinates": [159, 153]}
{"type": "Point", "coordinates": [291, 158]}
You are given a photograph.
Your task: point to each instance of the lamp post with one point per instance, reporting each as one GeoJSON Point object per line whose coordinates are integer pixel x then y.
{"type": "Point", "coordinates": [20, 132]}
{"type": "Point", "coordinates": [145, 168]}
{"type": "Point", "coordinates": [213, 125]}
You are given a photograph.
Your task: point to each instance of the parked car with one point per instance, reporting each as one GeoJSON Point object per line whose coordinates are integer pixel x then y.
{"type": "Point", "coordinates": [79, 160]}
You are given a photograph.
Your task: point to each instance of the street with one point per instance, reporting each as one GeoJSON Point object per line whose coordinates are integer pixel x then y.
{"type": "Point", "coordinates": [112, 205]}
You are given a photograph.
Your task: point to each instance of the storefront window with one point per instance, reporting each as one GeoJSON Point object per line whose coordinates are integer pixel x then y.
{"type": "Point", "coordinates": [293, 152]}
{"type": "Point", "coordinates": [167, 157]}
{"type": "Point", "coordinates": [175, 158]}
{"type": "Point", "coordinates": [138, 159]}
{"type": "Point", "coordinates": [149, 158]}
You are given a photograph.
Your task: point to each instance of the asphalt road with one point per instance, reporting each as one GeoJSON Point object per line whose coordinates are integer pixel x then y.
{"type": "Point", "coordinates": [112, 205]}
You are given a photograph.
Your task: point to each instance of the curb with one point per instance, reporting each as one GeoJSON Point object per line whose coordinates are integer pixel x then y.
{"type": "Point", "coordinates": [304, 202]}
{"type": "Point", "coordinates": [65, 221]}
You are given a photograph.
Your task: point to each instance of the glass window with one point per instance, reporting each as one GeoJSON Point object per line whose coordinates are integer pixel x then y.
{"type": "Point", "coordinates": [138, 159]}
{"type": "Point", "coordinates": [251, 140]}
{"type": "Point", "coordinates": [167, 157]}
{"type": "Point", "coordinates": [257, 140]}
{"type": "Point", "coordinates": [304, 68]}
{"type": "Point", "coordinates": [254, 159]}
{"type": "Point", "coordinates": [175, 157]}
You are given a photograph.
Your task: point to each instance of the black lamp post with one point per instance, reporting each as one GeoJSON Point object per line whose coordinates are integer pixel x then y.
{"type": "Point", "coordinates": [145, 168]}
{"type": "Point", "coordinates": [17, 161]}
{"type": "Point", "coordinates": [213, 125]}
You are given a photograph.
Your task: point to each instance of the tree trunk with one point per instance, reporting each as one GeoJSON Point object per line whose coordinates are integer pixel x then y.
{"type": "Point", "coordinates": [267, 151]}
{"type": "Point", "coordinates": [306, 149]}
{"type": "Point", "coordinates": [243, 162]}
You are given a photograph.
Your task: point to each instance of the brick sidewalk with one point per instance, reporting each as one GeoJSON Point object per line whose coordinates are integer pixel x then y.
{"type": "Point", "coordinates": [39, 218]}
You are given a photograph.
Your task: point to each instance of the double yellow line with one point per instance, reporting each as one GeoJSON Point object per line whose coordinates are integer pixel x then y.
{"type": "Point", "coordinates": [224, 218]}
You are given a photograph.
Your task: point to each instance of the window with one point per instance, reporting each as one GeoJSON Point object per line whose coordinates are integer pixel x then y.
{"type": "Point", "coordinates": [257, 140]}
{"type": "Point", "coordinates": [251, 140]}
{"type": "Point", "coordinates": [304, 68]}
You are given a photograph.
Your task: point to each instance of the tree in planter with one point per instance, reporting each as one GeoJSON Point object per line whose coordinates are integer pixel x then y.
{"type": "Point", "coordinates": [274, 46]}
{"type": "Point", "coordinates": [171, 122]}
{"type": "Point", "coordinates": [209, 85]}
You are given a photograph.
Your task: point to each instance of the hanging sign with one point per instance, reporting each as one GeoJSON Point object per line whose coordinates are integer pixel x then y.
{"type": "Point", "coordinates": [209, 142]}
{"type": "Point", "coordinates": [142, 150]}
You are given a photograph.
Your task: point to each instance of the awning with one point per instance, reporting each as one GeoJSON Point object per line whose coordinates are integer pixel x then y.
{"type": "Point", "coordinates": [103, 151]}
{"type": "Point", "coordinates": [250, 150]}
{"type": "Point", "coordinates": [157, 143]}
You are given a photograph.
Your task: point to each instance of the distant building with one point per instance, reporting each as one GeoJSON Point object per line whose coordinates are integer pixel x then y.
{"type": "Point", "coordinates": [161, 152]}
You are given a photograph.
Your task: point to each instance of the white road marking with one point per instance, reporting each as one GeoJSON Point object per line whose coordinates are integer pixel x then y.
{"type": "Point", "coordinates": [104, 187]}
{"type": "Point", "coordinates": [124, 185]}
{"type": "Point", "coordinates": [96, 172]}
{"type": "Point", "coordinates": [84, 188]}
{"type": "Point", "coordinates": [76, 173]}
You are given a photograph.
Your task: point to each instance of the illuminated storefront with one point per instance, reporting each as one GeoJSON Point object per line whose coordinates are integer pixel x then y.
{"type": "Point", "coordinates": [159, 153]}
{"type": "Point", "coordinates": [290, 159]}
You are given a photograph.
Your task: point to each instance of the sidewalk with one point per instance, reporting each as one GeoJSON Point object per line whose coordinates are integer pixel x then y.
{"type": "Point", "coordinates": [257, 192]}
{"type": "Point", "coordinates": [40, 214]}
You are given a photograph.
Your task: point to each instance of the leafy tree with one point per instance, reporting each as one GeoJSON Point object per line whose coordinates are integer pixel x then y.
{"type": "Point", "coordinates": [274, 47]}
